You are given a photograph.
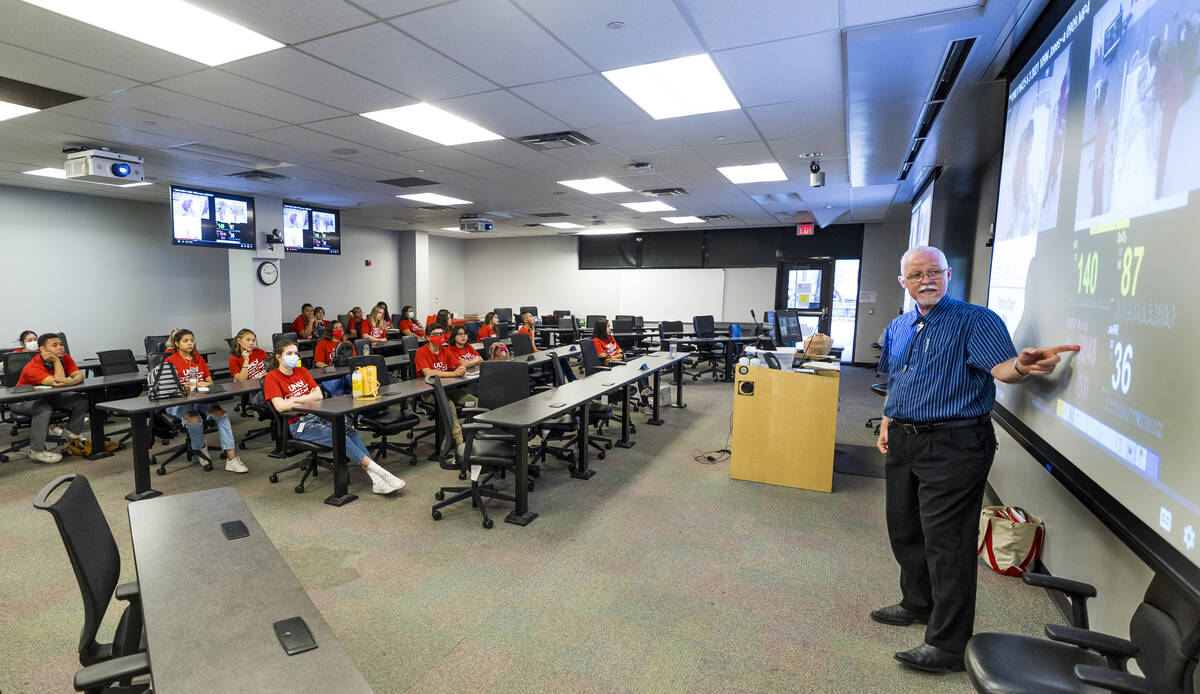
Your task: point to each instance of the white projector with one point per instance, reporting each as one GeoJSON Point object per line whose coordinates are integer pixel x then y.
{"type": "Point", "coordinates": [475, 224]}
{"type": "Point", "coordinates": [101, 166]}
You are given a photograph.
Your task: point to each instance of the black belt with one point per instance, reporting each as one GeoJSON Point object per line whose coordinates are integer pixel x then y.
{"type": "Point", "coordinates": [911, 427]}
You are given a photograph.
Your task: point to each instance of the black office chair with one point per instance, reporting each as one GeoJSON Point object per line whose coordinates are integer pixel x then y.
{"type": "Point", "coordinates": [590, 322]}
{"type": "Point", "coordinates": [472, 327]}
{"type": "Point", "coordinates": [879, 389]}
{"type": "Point", "coordinates": [120, 361]}
{"type": "Point", "coordinates": [561, 313]}
{"type": "Point", "coordinates": [288, 446]}
{"type": "Point", "coordinates": [668, 330]}
{"type": "Point", "coordinates": [362, 346]}
{"type": "Point", "coordinates": [276, 337]}
{"type": "Point", "coordinates": [487, 346]}
{"type": "Point", "coordinates": [710, 358]}
{"type": "Point", "coordinates": [600, 413]}
{"type": "Point", "coordinates": [503, 330]}
{"type": "Point", "coordinates": [1164, 638]}
{"type": "Point", "coordinates": [96, 561]}
{"type": "Point", "coordinates": [155, 344]}
{"type": "Point", "coordinates": [562, 430]}
{"type": "Point", "coordinates": [483, 453]}
{"type": "Point", "coordinates": [381, 422]}
{"type": "Point", "coordinates": [14, 363]}
{"type": "Point", "coordinates": [572, 335]}
{"type": "Point", "coordinates": [261, 411]}
{"type": "Point", "coordinates": [521, 345]}
{"type": "Point", "coordinates": [505, 314]}
{"type": "Point", "coordinates": [499, 384]}
{"type": "Point", "coordinates": [628, 343]}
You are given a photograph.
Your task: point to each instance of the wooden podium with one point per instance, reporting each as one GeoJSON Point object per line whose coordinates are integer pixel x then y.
{"type": "Point", "coordinates": [784, 425]}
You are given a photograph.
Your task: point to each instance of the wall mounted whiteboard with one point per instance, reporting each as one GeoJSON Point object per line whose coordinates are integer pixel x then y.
{"type": "Point", "coordinates": [670, 294]}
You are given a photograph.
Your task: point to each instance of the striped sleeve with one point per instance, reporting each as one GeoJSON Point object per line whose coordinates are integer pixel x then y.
{"type": "Point", "coordinates": [884, 356]}
{"type": "Point", "coordinates": [988, 342]}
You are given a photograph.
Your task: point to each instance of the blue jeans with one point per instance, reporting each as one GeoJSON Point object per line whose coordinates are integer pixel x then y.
{"type": "Point", "coordinates": [568, 372]}
{"type": "Point", "coordinates": [320, 431]}
{"type": "Point", "coordinates": [196, 431]}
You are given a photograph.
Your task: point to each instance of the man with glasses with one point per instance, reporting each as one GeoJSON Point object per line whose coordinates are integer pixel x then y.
{"type": "Point", "coordinates": [941, 359]}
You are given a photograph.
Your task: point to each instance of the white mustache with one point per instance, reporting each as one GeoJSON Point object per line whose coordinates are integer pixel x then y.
{"type": "Point", "coordinates": [928, 287]}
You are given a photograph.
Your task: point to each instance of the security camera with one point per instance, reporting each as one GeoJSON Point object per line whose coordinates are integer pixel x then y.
{"type": "Point", "coordinates": [816, 179]}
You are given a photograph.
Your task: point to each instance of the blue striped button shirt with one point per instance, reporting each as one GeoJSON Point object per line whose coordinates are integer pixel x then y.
{"type": "Point", "coordinates": [939, 365]}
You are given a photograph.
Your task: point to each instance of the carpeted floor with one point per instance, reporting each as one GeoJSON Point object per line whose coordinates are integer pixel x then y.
{"type": "Point", "coordinates": [660, 574]}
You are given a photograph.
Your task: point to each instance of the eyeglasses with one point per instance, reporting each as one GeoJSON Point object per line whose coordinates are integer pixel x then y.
{"type": "Point", "coordinates": [917, 277]}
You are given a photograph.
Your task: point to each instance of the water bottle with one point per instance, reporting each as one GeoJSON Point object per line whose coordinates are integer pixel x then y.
{"type": "Point", "coordinates": [356, 384]}
{"type": "Point", "coordinates": [671, 347]}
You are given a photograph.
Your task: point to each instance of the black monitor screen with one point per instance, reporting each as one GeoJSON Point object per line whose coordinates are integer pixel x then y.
{"type": "Point", "coordinates": [788, 327]}
{"type": "Point", "coordinates": [308, 229]}
{"type": "Point", "coordinates": [216, 220]}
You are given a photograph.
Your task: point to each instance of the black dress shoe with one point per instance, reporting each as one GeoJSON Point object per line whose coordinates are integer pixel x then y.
{"type": "Point", "coordinates": [928, 658]}
{"type": "Point", "coordinates": [898, 616]}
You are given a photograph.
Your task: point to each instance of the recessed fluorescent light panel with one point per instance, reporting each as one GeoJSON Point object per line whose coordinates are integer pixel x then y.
{"type": "Point", "coordinates": [172, 25]}
{"type": "Point", "coordinates": [10, 110]}
{"type": "Point", "coordinates": [62, 174]}
{"type": "Point", "coordinates": [595, 186]}
{"type": "Point", "coordinates": [653, 206]}
{"type": "Point", "coordinates": [48, 173]}
{"type": "Point", "coordinates": [672, 88]}
{"type": "Point", "coordinates": [562, 225]}
{"type": "Point", "coordinates": [432, 123]}
{"type": "Point", "coordinates": [607, 232]}
{"type": "Point", "coordinates": [434, 199]}
{"type": "Point", "coordinates": [755, 173]}
{"type": "Point", "coordinates": [683, 220]}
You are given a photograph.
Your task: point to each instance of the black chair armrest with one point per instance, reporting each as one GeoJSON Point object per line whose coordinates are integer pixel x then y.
{"type": "Point", "coordinates": [1117, 681]}
{"type": "Point", "coordinates": [475, 426]}
{"type": "Point", "coordinates": [129, 592]}
{"type": "Point", "coordinates": [497, 436]}
{"type": "Point", "coordinates": [473, 410]}
{"type": "Point", "coordinates": [1115, 650]}
{"type": "Point", "coordinates": [604, 368]}
{"type": "Point", "coordinates": [109, 671]}
{"type": "Point", "coordinates": [1062, 585]}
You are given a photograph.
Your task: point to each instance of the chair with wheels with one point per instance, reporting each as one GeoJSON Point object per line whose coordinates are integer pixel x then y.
{"type": "Point", "coordinates": [472, 327]}
{"type": "Point", "coordinates": [600, 413]}
{"type": "Point", "coordinates": [120, 361]}
{"type": "Point", "coordinates": [563, 430]}
{"type": "Point", "coordinates": [96, 561]}
{"type": "Point", "coordinates": [276, 337]}
{"type": "Point", "coordinates": [155, 344]}
{"type": "Point", "coordinates": [1164, 639]}
{"type": "Point", "coordinates": [311, 461]}
{"type": "Point", "coordinates": [483, 454]}
{"type": "Point", "coordinates": [381, 422]}
{"type": "Point", "coordinates": [166, 427]}
{"type": "Point", "coordinates": [522, 344]}
{"type": "Point", "coordinates": [710, 357]}
{"type": "Point", "coordinates": [14, 363]}
{"type": "Point", "coordinates": [259, 409]}
{"type": "Point", "coordinates": [879, 389]}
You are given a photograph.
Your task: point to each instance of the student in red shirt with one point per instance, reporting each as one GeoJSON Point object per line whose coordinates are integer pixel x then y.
{"type": "Point", "coordinates": [606, 345]}
{"type": "Point", "coordinates": [375, 327]}
{"type": "Point", "coordinates": [439, 359]}
{"type": "Point", "coordinates": [305, 323]}
{"type": "Point", "coordinates": [460, 342]}
{"type": "Point", "coordinates": [442, 318]}
{"type": "Point", "coordinates": [527, 322]}
{"type": "Point", "coordinates": [354, 320]}
{"type": "Point", "coordinates": [408, 322]}
{"type": "Point", "coordinates": [319, 322]}
{"type": "Point", "coordinates": [387, 317]}
{"type": "Point", "coordinates": [488, 327]}
{"type": "Point", "coordinates": [193, 373]}
{"type": "Point", "coordinates": [289, 385]}
{"type": "Point", "coordinates": [333, 336]}
{"type": "Point", "coordinates": [28, 341]}
{"type": "Point", "coordinates": [246, 360]}
{"type": "Point", "coordinates": [52, 366]}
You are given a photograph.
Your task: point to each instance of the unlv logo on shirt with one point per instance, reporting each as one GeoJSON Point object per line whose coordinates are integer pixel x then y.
{"type": "Point", "coordinates": [442, 366]}
{"type": "Point", "coordinates": [256, 369]}
{"type": "Point", "coordinates": [297, 389]}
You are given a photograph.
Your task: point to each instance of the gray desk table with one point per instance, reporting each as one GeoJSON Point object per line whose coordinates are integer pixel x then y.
{"type": "Point", "coordinates": [92, 365]}
{"type": "Point", "coordinates": [210, 604]}
{"type": "Point", "coordinates": [521, 416]}
{"type": "Point", "coordinates": [91, 386]}
{"type": "Point", "coordinates": [733, 346]}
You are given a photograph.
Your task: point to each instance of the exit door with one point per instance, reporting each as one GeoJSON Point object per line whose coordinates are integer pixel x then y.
{"type": "Point", "coordinates": [807, 286]}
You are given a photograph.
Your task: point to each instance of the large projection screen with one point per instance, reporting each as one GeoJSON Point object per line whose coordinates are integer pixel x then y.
{"type": "Point", "coordinates": [1097, 230]}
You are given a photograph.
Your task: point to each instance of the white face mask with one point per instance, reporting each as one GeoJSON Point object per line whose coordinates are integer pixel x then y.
{"type": "Point", "coordinates": [410, 315]}
{"type": "Point", "coordinates": [31, 345]}
{"type": "Point", "coordinates": [291, 360]}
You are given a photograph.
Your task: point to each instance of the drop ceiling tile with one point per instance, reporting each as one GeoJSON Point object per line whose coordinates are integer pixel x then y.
{"type": "Point", "coordinates": [654, 30]}
{"type": "Point", "coordinates": [582, 154]}
{"type": "Point", "coordinates": [791, 70]}
{"type": "Point", "coordinates": [874, 194]}
{"type": "Point", "coordinates": [223, 87]}
{"type": "Point", "coordinates": [528, 54]}
{"type": "Point", "coordinates": [740, 154]}
{"type": "Point", "coordinates": [35, 68]}
{"type": "Point", "coordinates": [45, 31]}
{"type": "Point", "coordinates": [792, 119]}
{"type": "Point", "coordinates": [671, 162]}
{"type": "Point", "coordinates": [503, 113]}
{"type": "Point", "coordinates": [450, 158]}
{"type": "Point", "coordinates": [370, 133]}
{"type": "Point", "coordinates": [702, 130]}
{"type": "Point", "coordinates": [90, 131]}
{"type": "Point", "coordinates": [647, 136]}
{"type": "Point", "coordinates": [505, 152]}
{"type": "Point", "coordinates": [727, 24]}
{"type": "Point", "coordinates": [290, 21]}
{"type": "Point", "coordinates": [268, 151]}
{"type": "Point", "coordinates": [830, 145]}
{"type": "Point", "coordinates": [158, 100]}
{"type": "Point", "coordinates": [304, 138]}
{"type": "Point", "coordinates": [391, 8]}
{"type": "Point", "coordinates": [583, 102]}
{"type": "Point", "coordinates": [136, 119]}
{"type": "Point", "coordinates": [380, 53]}
{"type": "Point", "coordinates": [862, 12]}
{"type": "Point", "coordinates": [300, 73]}
{"type": "Point", "coordinates": [353, 169]}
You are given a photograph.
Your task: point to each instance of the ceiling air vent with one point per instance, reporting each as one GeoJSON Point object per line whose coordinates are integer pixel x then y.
{"type": "Point", "coordinates": [943, 83]}
{"type": "Point", "coordinates": [716, 217]}
{"type": "Point", "coordinates": [408, 182]}
{"type": "Point", "coordinates": [562, 140]}
{"type": "Point", "coordinates": [663, 192]}
{"type": "Point", "coordinates": [433, 208]}
{"type": "Point", "coordinates": [257, 175]}
{"type": "Point", "coordinates": [550, 214]}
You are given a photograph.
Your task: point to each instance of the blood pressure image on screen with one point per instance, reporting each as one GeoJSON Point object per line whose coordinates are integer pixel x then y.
{"type": "Point", "coordinates": [1101, 267]}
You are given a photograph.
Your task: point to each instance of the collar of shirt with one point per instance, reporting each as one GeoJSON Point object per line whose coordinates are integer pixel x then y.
{"type": "Point", "coordinates": [931, 315]}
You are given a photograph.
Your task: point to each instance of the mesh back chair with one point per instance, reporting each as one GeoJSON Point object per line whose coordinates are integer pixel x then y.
{"type": "Point", "coordinates": [483, 453]}
{"type": "Point", "coordinates": [14, 362]}
{"type": "Point", "coordinates": [532, 310]}
{"type": "Point", "coordinates": [568, 323]}
{"type": "Point", "coordinates": [590, 322]}
{"type": "Point", "coordinates": [276, 337]}
{"type": "Point", "coordinates": [114, 362]}
{"type": "Point", "coordinates": [63, 337]}
{"type": "Point", "coordinates": [362, 346]}
{"type": "Point", "coordinates": [561, 430]}
{"type": "Point", "coordinates": [1164, 638]}
{"type": "Point", "coordinates": [639, 322]}
{"type": "Point", "coordinates": [502, 330]}
{"type": "Point", "coordinates": [669, 329]}
{"type": "Point", "coordinates": [600, 413]}
{"type": "Point", "coordinates": [623, 317]}
{"type": "Point", "coordinates": [560, 313]}
{"type": "Point", "coordinates": [522, 344]}
{"type": "Point", "coordinates": [487, 346]}
{"type": "Point", "coordinates": [709, 357]}
{"type": "Point", "coordinates": [505, 314]}
{"type": "Point", "coordinates": [411, 344]}
{"type": "Point", "coordinates": [628, 343]}
{"type": "Point", "coordinates": [472, 327]}
{"type": "Point", "coordinates": [288, 446]}
{"type": "Point", "coordinates": [97, 564]}
{"type": "Point", "coordinates": [381, 422]}
{"type": "Point", "coordinates": [155, 344]}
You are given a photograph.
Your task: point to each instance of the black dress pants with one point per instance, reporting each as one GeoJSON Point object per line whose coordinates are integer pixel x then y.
{"type": "Point", "coordinates": [935, 483]}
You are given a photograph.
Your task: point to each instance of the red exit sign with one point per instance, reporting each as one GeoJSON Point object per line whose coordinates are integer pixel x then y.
{"type": "Point", "coordinates": [804, 230]}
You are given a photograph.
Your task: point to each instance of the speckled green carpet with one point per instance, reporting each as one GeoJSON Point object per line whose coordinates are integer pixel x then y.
{"type": "Point", "coordinates": [660, 574]}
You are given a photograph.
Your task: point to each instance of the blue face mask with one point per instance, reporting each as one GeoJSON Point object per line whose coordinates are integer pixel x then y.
{"type": "Point", "coordinates": [291, 360]}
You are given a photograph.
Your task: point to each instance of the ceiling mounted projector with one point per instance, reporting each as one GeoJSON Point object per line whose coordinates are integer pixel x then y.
{"type": "Point", "coordinates": [474, 224]}
{"type": "Point", "coordinates": [103, 166]}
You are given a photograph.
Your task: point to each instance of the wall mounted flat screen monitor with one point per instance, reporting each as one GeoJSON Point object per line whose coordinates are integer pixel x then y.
{"type": "Point", "coordinates": [1095, 245]}
{"type": "Point", "coordinates": [215, 220]}
{"type": "Point", "coordinates": [308, 229]}
{"type": "Point", "coordinates": [787, 327]}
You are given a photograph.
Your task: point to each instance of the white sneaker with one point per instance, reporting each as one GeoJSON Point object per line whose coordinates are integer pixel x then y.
{"type": "Point", "coordinates": [380, 485]}
{"type": "Point", "coordinates": [396, 483]}
{"type": "Point", "coordinates": [72, 436]}
{"type": "Point", "coordinates": [56, 432]}
{"type": "Point", "coordinates": [235, 464]}
{"type": "Point", "coordinates": [45, 456]}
